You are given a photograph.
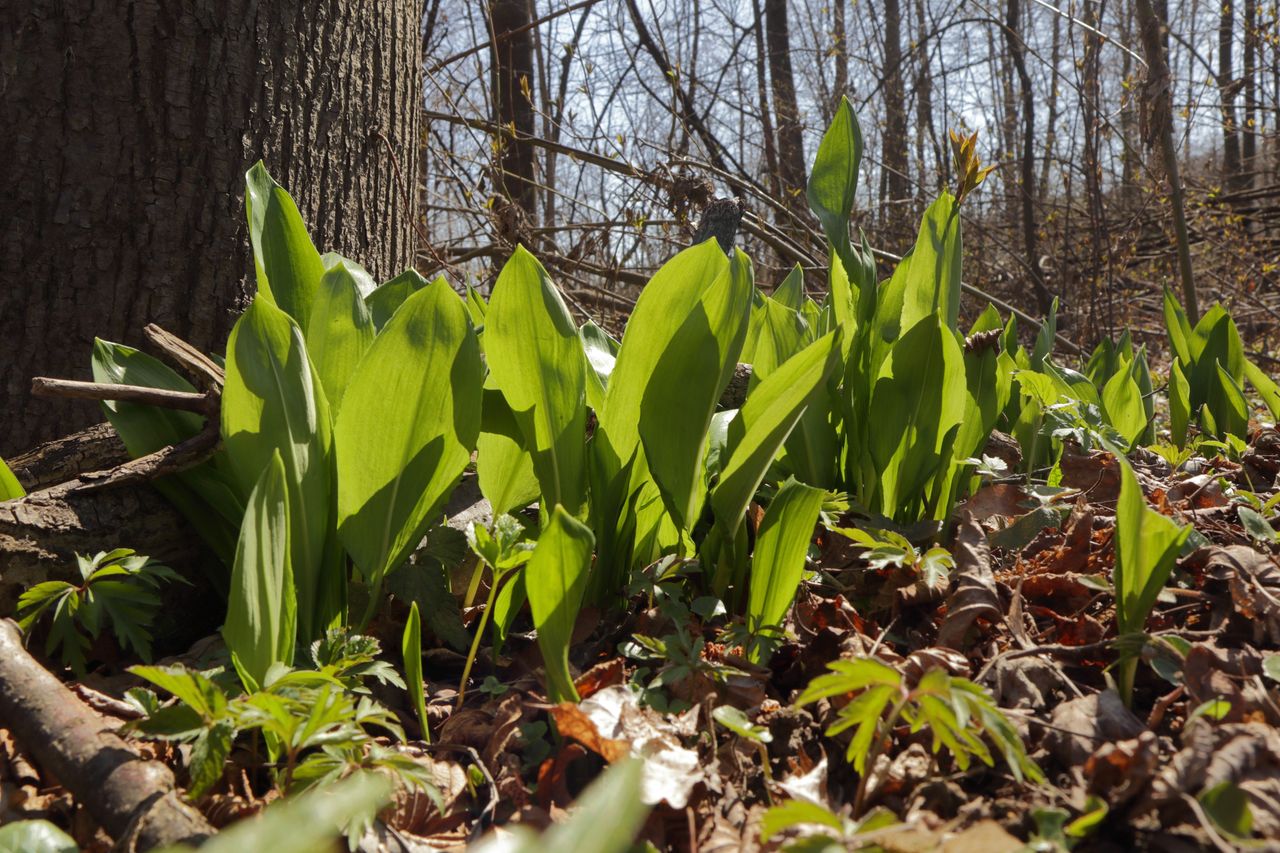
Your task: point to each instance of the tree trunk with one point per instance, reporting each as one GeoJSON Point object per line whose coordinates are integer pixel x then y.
{"type": "Point", "coordinates": [1026, 189]}
{"type": "Point", "coordinates": [896, 183]}
{"type": "Point", "coordinates": [1159, 129]}
{"type": "Point", "coordinates": [1227, 88]}
{"type": "Point", "coordinates": [786, 110]}
{"type": "Point", "coordinates": [511, 83]}
{"type": "Point", "coordinates": [1249, 140]}
{"type": "Point", "coordinates": [130, 128]}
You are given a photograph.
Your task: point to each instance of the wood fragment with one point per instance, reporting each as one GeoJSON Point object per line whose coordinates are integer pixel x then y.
{"type": "Point", "coordinates": [201, 404]}
{"type": "Point", "coordinates": [135, 801]}
{"type": "Point", "coordinates": [204, 370]}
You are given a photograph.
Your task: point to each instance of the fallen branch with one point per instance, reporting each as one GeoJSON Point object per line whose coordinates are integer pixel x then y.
{"type": "Point", "coordinates": [135, 801]}
{"type": "Point", "coordinates": [44, 386]}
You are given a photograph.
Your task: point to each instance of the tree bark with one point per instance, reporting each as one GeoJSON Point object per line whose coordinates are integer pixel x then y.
{"type": "Point", "coordinates": [896, 184]}
{"type": "Point", "coordinates": [1159, 129]}
{"type": "Point", "coordinates": [1026, 189]}
{"type": "Point", "coordinates": [130, 128]}
{"type": "Point", "coordinates": [511, 83]}
{"type": "Point", "coordinates": [1227, 88]}
{"type": "Point", "coordinates": [786, 110]}
{"type": "Point", "coordinates": [1249, 138]}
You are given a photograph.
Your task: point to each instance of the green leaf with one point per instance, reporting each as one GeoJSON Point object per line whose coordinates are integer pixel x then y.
{"type": "Point", "coordinates": [763, 423]}
{"type": "Point", "coordinates": [209, 495]}
{"type": "Point", "coordinates": [411, 652]}
{"type": "Point", "coordinates": [790, 293]}
{"type": "Point", "coordinates": [209, 754]}
{"type": "Point", "coordinates": [686, 384]}
{"type": "Point", "coordinates": [504, 465]}
{"type": "Point", "coordinates": [555, 582]}
{"type": "Point", "coordinates": [35, 836]}
{"type": "Point", "coordinates": [407, 428]}
{"type": "Point", "coordinates": [602, 354]}
{"type": "Point", "coordinates": [287, 263]}
{"type": "Point", "coordinates": [1179, 404]}
{"type": "Point", "coordinates": [921, 391]}
{"type": "Point", "coordinates": [1227, 805]}
{"type": "Point", "coordinates": [339, 332]}
{"type": "Point", "coordinates": [1122, 404]}
{"type": "Point", "coordinates": [10, 488]}
{"type": "Point", "coordinates": [1271, 667]}
{"type": "Point", "coordinates": [262, 608]}
{"type": "Point", "coordinates": [536, 360]}
{"type": "Point", "coordinates": [196, 689]}
{"type": "Point", "coordinates": [1266, 387]}
{"type": "Point", "coordinates": [1256, 526]}
{"type": "Point", "coordinates": [273, 402]}
{"type": "Point", "coordinates": [736, 721]}
{"type": "Point", "coordinates": [309, 822]}
{"type": "Point", "coordinates": [778, 562]}
{"type": "Point", "coordinates": [387, 298]}
{"type": "Point", "coordinates": [833, 181]}
{"type": "Point", "coordinates": [794, 812]}
{"type": "Point", "coordinates": [674, 292]}
{"type": "Point", "coordinates": [1147, 545]}
{"type": "Point", "coordinates": [608, 814]}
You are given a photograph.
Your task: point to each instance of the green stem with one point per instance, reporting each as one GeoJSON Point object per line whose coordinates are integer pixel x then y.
{"type": "Point", "coordinates": [371, 607]}
{"type": "Point", "coordinates": [475, 642]}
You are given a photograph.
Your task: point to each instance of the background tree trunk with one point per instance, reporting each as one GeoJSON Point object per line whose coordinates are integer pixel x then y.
{"type": "Point", "coordinates": [786, 110]}
{"type": "Point", "coordinates": [896, 191]}
{"type": "Point", "coordinates": [511, 84]}
{"type": "Point", "coordinates": [130, 128]}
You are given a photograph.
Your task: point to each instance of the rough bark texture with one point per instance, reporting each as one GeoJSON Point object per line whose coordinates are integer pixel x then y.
{"type": "Point", "coordinates": [786, 110]}
{"type": "Point", "coordinates": [130, 125]}
{"type": "Point", "coordinates": [511, 85]}
{"type": "Point", "coordinates": [135, 801]}
{"type": "Point", "coordinates": [896, 187]}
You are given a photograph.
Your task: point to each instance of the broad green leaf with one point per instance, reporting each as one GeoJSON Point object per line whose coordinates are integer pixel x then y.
{"type": "Point", "coordinates": [477, 308]}
{"type": "Point", "coordinates": [921, 392]}
{"type": "Point", "coordinates": [287, 263]}
{"type": "Point", "coordinates": [503, 463]}
{"type": "Point", "coordinates": [555, 582]}
{"type": "Point", "coordinates": [273, 402]}
{"type": "Point", "coordinates": [208, 495]}
{"type": "Point", "coordinates": [340, 331]}
{"type": "Point", "coordinates": [363, 280]}
{"type": "Point", "coordinates": [602, 354]}
{"type": "Point", "coordinates": [1227, 805]}
{"type": "Point", "coordinates": [536, 360]}
{"type": "Point", "coordinates": [1179, 404]}
{"type": "Point", "coordinates": [685, 386]}
{"type": "Point", "coordinates": [926, 281]}
{"type": "Point", "coordinates": [673, 293]}
{"type": "Point", "coordinates": [1266, 387]}
{"type": "Point", "coordinates": [793, 812]}
{"type": "Point", "coordinates": [1147, 545]}
{"type": "Point", "coordinates": [761, 426]}
{"type": "Point", "coordinates": [1122, 404]}
{"type": "Point", "coordinates": [782, 333]}
{"type": "Point", "coordinates": [262, 605]}
{"type": "Point", "coordinates": [778, 562]}
{"type": "Point", "coordinates": [407, 427]}
{"type": "Point", "coordinates": [35, 836]}
{"type": "Point", "coordinates": [411, 653]}
{"type": "Point", "coordinates": [790, 293]}
{"type": "Point", "coordinates": [308, 822]}
{"type": "Point", "coordinates": [10, 488]}
{"type": "Point", "coordinates": [390, 295]}
{"type": "Point", "coordinates": [833, 181]}
{"type": "Point", "coordinates": [1178, 327]}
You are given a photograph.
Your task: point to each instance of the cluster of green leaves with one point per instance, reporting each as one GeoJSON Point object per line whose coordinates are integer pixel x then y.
{"type": "Point", "coordinates": [316, 725]}
{"type": "Point", "coordinates": [1146, 546]}
{"type": "Point", "coordinates": [1208, 373]}
{"type": "Point", "coordinates": [119, 589]}
{"type": "Point", "coordinates": [959, 714]}
{"type": "Point", "coordinates": [887, 549]}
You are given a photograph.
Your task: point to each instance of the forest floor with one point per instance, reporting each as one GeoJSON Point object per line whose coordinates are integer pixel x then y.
{"type": "Point", "coordinates": [1028, 613]}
